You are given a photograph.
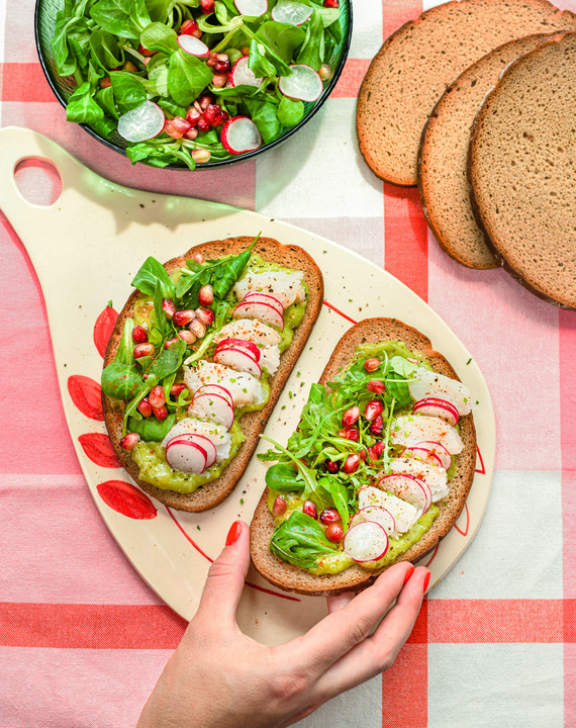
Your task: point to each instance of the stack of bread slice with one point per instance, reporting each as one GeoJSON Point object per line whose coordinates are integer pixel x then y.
{"type": "Point", "coordinates": [416, 112]}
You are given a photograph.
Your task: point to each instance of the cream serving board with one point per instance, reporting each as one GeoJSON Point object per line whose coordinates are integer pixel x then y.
{"type": "Point", "coordinates": [85, 248]}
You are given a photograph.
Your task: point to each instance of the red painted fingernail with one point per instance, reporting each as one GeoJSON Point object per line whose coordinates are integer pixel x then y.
{"type": "Point", "coordinates": [426, 581]}
{"type": "Point", "coordinates": [234, 533]}
{"type": "Point", "coordinates": [408, 574]}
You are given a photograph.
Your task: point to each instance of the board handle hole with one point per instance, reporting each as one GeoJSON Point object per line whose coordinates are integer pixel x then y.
{"type": "Point", "coordinates": [38, 181]}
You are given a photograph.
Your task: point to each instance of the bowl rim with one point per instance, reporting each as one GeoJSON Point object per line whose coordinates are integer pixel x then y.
{"type": "Point", "coordinates": [223, 162]}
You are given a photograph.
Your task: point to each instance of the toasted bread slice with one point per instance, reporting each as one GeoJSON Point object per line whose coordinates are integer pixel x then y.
{"type": "Point", "coordinates": [292, 578]}
{"type": "Point", "coordinates": [443, 157]}
{"type": "Point", "coordinates": [521, 168]}
{"type": "Point", "coordinates": [252, 423]}
{"type": "Point", "coordinates": [421, 59]}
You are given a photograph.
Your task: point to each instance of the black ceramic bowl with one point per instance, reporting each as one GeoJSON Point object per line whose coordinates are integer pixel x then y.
{"type": "Point", "coordinates": [44, 24]}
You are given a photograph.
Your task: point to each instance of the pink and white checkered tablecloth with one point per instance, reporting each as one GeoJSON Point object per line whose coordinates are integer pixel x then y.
{"type": "Point", "coordinates": [83, 639]}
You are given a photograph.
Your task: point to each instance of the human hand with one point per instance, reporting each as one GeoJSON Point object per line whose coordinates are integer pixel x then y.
{"type": "Point", "coordinates": [220, 678]}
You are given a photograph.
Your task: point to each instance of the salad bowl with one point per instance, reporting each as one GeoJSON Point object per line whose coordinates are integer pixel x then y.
{"type": "Point", "coordinates": [133, 59]}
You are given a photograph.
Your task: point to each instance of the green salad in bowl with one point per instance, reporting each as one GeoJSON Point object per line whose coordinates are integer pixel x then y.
{"type": "Point", "coordinates": [195, 82]}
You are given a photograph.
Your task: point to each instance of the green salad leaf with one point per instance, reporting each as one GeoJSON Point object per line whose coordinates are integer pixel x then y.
{"type": "Point", "coordinates": [150, 429]}
{"type": "Point", "coordinates": [187, 77]}
{"type": "Point", "coordinates": [81, 106]}
{"type": "Point", "coordinates": [300, 540]}
{"type": "Point", "coordinates": [121, 381]}
{"type": "Point", "coordinates": [149, 274]}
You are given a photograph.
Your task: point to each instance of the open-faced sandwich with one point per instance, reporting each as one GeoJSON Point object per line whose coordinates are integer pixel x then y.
{"type": "Point", "coordinates": [197, 360]}
{"type": "Point", "coordinates": [377, 471]}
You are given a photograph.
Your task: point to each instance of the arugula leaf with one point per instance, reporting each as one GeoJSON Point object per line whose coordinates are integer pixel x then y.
{"type": "Point", "coordinates": [150, 429]}
{"type": "Point", "coordinates": [159, 37]}
{"type": "Point", "coordinates": [312, 51]}
{"type": "Point", "coordinates": [290, 111]}
{"type": "Point", "coordinates": [187, 77]}
{"type": "Point", "coordinates": [81, 107]}
{"type": "Point", "coordinates": [264, 115]}
{"type": "Point", "coordinates": [150, 272]}
{"type": "Point", "coordinates": [121, 381]}
{"type": "Point", "coordinates": [283, 478]}
{"type": "Point", "coordinates": [300, 540]}
{"type": "Point", "coordinates": [402, 366]}
{"type": "Point", "coordinates": [168, 362]}
{"type": "Point", "coordinates": [231, 270]}
{"type": "Point", "coordinates": [129, 92]}
{"type": "Point", "coordinates": [125, 18]}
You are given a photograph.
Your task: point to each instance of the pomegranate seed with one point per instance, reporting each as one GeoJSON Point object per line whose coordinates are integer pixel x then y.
{"type": "Point", "coordinates": [222, 66]}
{"type": "Point", "coordinates": [193, 116]}
{"type": "Point", "coordinates": [139, 335]}
{"type": "Point", "coordinates": [161, 413]}
{"type": "Point", "coordinates": [130, 441]}
{"type": "Point", "coordinates": [245, 50]}
{"type": "Point", "coordinates": [376, 386]}
{"type": "Point", "coordinates": [145, 51]}
{"type": "Point", "coordinates": [181, 125]}
{"type": "Point", "coordinates": [335, 533]}
{"type": "Point", "coordinates": [171, 131]}
{"type": "Point", "coordinates": [105, 82]}
{"type": "Point", "coordinates": [157, 397]}
{"type": "Point", "coordinates": [376, 451]}
{"type": "Point", "coordinates": [363, 454]}
{"type": "Point", "coordinates": [331, 3]}
{"type": "Point", "coordinates": [352, 464]}
{"type": "Point", "coordinates": [373, 409]}
{"type": "Point", "coordinates": [205, 101]}
{"type": "Point", "coordinates": [224, 116]}
{"type": "Point", "coordinates": [325, 72]}
{"type": "Point", "coordinates": [146, 61]}
{"type": "Point", "coordinates": [213, 60]}
{"type": "Point", "coordinates": [279, 507]}
{"type": "Point", "coordinates": [175, 389]}
{"type": "Point", "coordinates": [372, 364]}
{"type": "Point", "coordinates": [197, 33]}
{"type": "Point", "coordinates": [198, 328]}
{"type": "Point", "coordinates": [143, 350]}
{"type": "Point", "coordinates": [201, 156]}
{"type": "Point", "coordinates": [330, 515]}
{"type": "Point", "coordinates": [169, 342]}
{"type": "Point", "coordinates": [183, 318]}
{"type": "Point", "coordinates": [219, 80]}
{"type": "Point", "coordinates": [129, 66]}
{"type": "Point", "coordinates": [377, 427]}
{"type": "Point", "coordinates": [191, 135]}
{"type": "Point", "coordinates": [350, 416]}
{"type": "Point", "coordinates": [349, 433]}
{"type": "Point", "coordinates": [202, 125]}
{"type": "Point", "coordinates": [207, 6]}
{"type": "Point", "coordinates": [144, 407]}
{"type": "Point", "coordinates": [309, 508]}
{"type": "Point", "coordinates": [332, 467]}
{"type": "Point", "coordinates": [168, 307]}
{"type": "Point", "coordinates": [205, 315]}
{"type": "Point", "coordinates": [206, 295]}
{"type": "Point", "coordinates": [211, 112]}
{"type": "Point", "coordinates": [188, 27]}
{"type": "Point", "coordinates": [187, 336]}
{"type": "Point", "coordinates": [199, 258]}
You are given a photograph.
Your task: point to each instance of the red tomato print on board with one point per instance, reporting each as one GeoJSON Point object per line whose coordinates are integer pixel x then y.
{"type": "Point", "coordinates": [103, 329]}
{"type": "Point", "coordinates": [87, 396]}
{"type": "Point", "coordinates": [100, 450]}
{"type": "Point", "coordinates": [124, 498]}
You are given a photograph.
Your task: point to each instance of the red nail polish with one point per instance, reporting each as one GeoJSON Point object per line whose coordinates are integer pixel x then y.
{"type": "Point", "coordinates": [408, 574]}
{"type": "Point", "coordinates": [234, 533]}
{"type": "Point", "coordinates": [426, 581]}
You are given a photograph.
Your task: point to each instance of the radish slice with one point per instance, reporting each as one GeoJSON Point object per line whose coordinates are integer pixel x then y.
{"type": "Point", "coordinates": [434, 477]}
{"type": "Point", "coordinates": [240, 134]}
{"type": "Point", "coordinates": [434, 407]}
{"type": "Point", "coordinates": [405, 515]}
{"type": "Point", "coordinates": [423, 454]}
{"type": "Point", "coordinates": [204, 443]}
{"type": "Point", "coordinates": [215, 389]}
{"type": "Point", "coordinates": [261, 311]}
{"type": "Point", "coordinates": [408, 488]}
{"type": "Point", "coordinates": [250, 346]}
{"type": "Point", "coordinates": [252, 8]}
{"type": "Point", "coordinates": [185, 455]}
{"type": "Point", "coordinates": [239, 360]}
{"type": "Point", "coordinates": [304, 83]}
{"type": "Point", "coordinates": [412, 429]}
{"type": "Point", "coordinates": [291, 13]}
{"type": "Point", "coordinates": [242, 75]}
{"type": "Point", "coordinates": [194, 46]}
{"type": "Point", "coordinates": [144, 122]}
{"type": "Point", "coordinates": [439, 450]}
{"type": "Point", "coordinates": [432, 384]}
{"type": "Point", "coordinates": [366, 542]}
{"type": "Point", "coordinates": [376, 514]}
{"type": "Point", "coordinates": [264, 298]}
{"type": "Point", "coordinates": [212, 408]}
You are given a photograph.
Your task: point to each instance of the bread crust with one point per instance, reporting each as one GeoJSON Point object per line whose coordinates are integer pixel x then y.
{"type": "Point", "coordinates": [292, 578]}
{"type": "Point", "coordinates": [492, 242]}
{"type": "Point", "coordinates": [211, 494]}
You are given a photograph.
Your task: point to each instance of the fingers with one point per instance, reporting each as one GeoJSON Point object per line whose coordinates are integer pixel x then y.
{"type": "Point", "coordinates": [341, 630]}
{"type": "Point", "coordinates": [378, 652]}
{"type": "Point", "coordinates": [225, 582]}
{"type": "Point", "coordinates": [340, 601]}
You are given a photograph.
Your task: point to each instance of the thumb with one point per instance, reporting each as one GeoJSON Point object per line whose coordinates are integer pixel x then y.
{"type": "Point", "coordinates": [225, 582]}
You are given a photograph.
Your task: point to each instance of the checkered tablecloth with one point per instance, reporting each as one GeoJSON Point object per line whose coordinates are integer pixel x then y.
{"type": "Point", "coordinates": [82, 638]}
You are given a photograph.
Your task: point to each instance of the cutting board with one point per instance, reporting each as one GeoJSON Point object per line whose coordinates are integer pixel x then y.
{"type": "Point", "coordinates": [86, 248]}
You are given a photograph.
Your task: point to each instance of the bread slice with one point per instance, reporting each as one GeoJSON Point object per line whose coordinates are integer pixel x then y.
{"type": "Point", "coordinates": [252, 423]}
{"type": "Point", "coordinates": [522, 167]}
{"type": "Point", "coordinates": [443, 156]}
{"type": "Point", "coordinates": [292, 578]}
{"type": "Point", "coordinates": [421, 59]}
